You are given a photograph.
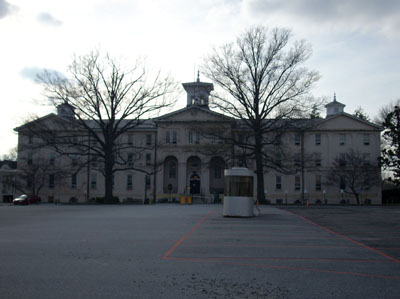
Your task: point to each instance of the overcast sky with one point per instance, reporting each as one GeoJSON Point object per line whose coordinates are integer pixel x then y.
{"type": "Point", "coordinates": [356, 43]}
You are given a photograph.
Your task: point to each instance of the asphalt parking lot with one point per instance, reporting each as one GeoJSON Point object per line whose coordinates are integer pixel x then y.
{"type": "Point", "coordinates": [174, 251]}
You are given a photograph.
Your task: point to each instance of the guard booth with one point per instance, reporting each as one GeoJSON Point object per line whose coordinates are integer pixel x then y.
{"type": "Point", "coordinates": [238, 196]}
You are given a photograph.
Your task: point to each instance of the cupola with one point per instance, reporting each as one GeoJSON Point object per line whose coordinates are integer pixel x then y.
{"type": "Point", "coordinates": [198, 92]}
{"type": "Point", "coordinates": [334, 107]}
{"type": "Point", "coordinates": [65, 110]}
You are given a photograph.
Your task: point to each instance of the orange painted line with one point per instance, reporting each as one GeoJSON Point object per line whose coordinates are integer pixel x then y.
{"type": "Point", "coordinates": [267, 245]}
{"type": "Point", "coordinates": [289, 268]}
{"type": "Point", "coordinates": [172, 249]}
{"type": "Point", "coordinates": [348, 238]}
{"type": "Point", "coordinates": [283, 259]}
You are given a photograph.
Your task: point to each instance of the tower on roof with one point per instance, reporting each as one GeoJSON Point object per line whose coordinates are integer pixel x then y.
{"type": "Point", "coordinates": [198, 92]}
{"type": "Point", "coordinates": [334, 107]}
{"type": "Point", "coordinates": [65, 110]}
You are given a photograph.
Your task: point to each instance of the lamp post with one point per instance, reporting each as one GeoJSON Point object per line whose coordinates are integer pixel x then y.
{"type": "Point", "coordinates": [324, 195]}
{"type": "Point", "coordinates": [342, 195]}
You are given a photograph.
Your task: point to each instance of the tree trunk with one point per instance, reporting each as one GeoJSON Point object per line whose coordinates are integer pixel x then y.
{"type": "Point", "coordinates": [259, 169]}
{"type": "Point", "coordinates": [357, 198]}
{"type": "Point", "coordinates": [108, 179]}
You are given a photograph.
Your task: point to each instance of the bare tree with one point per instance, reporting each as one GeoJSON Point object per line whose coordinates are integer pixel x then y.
{"type": "Point", "coordinates": [265, 84]}
{"type": "Point", "coordinates": [385, 110]}
{"type": "Point", "coordinates": [361, 114]}
{"type": "Point", "coordinates": [104, 102]}
{"type": "Point", "coordinates": [37, 173]}
{"type": "Point", "coordinates": [353, 173]}
{"type": "Point", "coordinates": [12, 154]}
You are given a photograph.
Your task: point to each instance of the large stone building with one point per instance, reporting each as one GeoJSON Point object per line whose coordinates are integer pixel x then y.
{"type": "Point", "coordinates": [177, 156]}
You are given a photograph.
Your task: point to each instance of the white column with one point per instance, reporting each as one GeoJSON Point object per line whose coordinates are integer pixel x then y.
{"type": "Point", "coordinates": [205, 179]}
{"type": "Point", "coordinates": [181, 176]}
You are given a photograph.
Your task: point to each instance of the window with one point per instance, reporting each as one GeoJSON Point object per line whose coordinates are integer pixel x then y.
{"type": "Point", "coordinates": [172, 170]}
{"type": "Point", "coordinates": [174, 137]}
{"type": "Point", "coordinates": [217, 139]}
{"type": "Point", "coordinates": [217, 172]}
{"type": "Point", "coordinates": [318, 182]}
{"type": "Point", "coordinates": [147, 181]}
{"type": "Point", "coordinates": [74, 159]}
{"type": "Point", "coordinates": [130, 139]}
{"type": "Point", "coordinates": [367, 158]}
{"type": "Point", "coordinates": [342, 139]}
{"type": "Point", "coordinates": [113, 181]}
{"type": "Point", "coordinates": [297, 182]}
{"type": "Point", "coordinates": [51, 181]}
{"type": "Point", "coordinates": [278, 161]}
{"type": "Point", "coordinates": [148, 159]}
{"type": "Point", "coordinates": [130, 160]}
{"type": "Point", "coordinates": [94, 141]}
{"type": "Point", "coordinates": [170, 137]}
{"type": "Point", "coordinates": [342, 160]}
{"type": "Point", "coordinates": [129, 182]}
{"type": "Point", "coordinates": [194, 137]}
{"type": "Point", "coordinates": [342, 183]}
{"type": "Point", "coordinates": [52, 160]}
{"type": "Point", "coordinates": [93, 181]}
{"type": "Point", "coordinates": [278, 182]}
{"type": "Point", "coordinates": [297, 139]}
{"type": "Point", "coordinates": [366, 139]}
{"type": "Point", "coordinates": [241, 139]}
{"type": "Point", "coordinates": [297, 160]}
{"type": "Point", "coordinates": [94, 160]}
{"type": "Point", "coordinates": [317, 138]}
{"type": "Point", "coordinates": [28, 182]}
{"type": "Point", "coordinates": [148, 139]}
{"type": "Point", "coordinates": [75, 139]}
{"type": "Point", "coordinates": [30, 139]}
{"type": "Point", "coordinates": [73, 181]}
{"type": "Point", "coordinates": [30, 159]}
{"type": "Point", "coordinates": [318, 159]}
{"type": "Point", "coordinates": [278, 139]}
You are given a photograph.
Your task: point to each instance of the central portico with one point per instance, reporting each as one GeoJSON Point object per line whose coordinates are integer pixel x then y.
{"type": "Point", "coordinates": [188, 167]}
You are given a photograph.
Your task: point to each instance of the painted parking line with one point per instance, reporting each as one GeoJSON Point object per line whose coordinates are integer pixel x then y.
{"type": "Point", "coordinates": [348, 238]}
{"type": "Point", "coordinates": [203, 228]}
{"type": "Point", "coordinates": [303, 269]}
{"type": "Point", "coordinates": [172, 249]}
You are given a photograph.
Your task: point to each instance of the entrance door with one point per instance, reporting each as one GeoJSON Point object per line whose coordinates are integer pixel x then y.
{"type": "Point", "coordinates": [195, 183]}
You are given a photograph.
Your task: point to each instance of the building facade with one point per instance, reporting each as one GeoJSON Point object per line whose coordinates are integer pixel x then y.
{"type": "Point", "coordinates": [175, 155]}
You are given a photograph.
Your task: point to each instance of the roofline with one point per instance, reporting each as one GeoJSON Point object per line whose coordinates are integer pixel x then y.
{"type": "Point", "coordinates": [378, 127]}
{"type": "Point", "coordinates": [160, 118]}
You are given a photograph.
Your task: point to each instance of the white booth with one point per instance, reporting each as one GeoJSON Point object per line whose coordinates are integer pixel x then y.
{"type": "Point", "coordinates": [238, 197]}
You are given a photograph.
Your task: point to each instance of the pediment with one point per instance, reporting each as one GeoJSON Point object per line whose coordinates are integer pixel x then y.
{"type": "Point", "coordinates": [346, 122]}
{"type": "Point", "coordinates": [193, 114]}
{"type": "Point", "coordinates": [47, 122]}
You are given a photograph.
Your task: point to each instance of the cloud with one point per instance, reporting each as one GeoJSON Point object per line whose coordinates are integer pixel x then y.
{"type": "Point", "coordinates": [351, 14]}
{"type": "Point", "coordinates": [48, 19]}
{"type": "Point", "coordinates": [31, 73]}
{"type": "Point", "coordinates": [6, 8]}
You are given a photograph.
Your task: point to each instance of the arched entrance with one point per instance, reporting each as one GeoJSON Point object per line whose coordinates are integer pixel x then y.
{"type": "Point", "coordinates": [170, 183]}
{"type": "Point", "coordinates": [193, 170]}
{"type": "Point", "coordinates": [194, 183]}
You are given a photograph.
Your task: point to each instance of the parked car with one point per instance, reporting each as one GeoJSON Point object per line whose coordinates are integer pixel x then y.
{"type": "Point", "coordinates": [26, 199]}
